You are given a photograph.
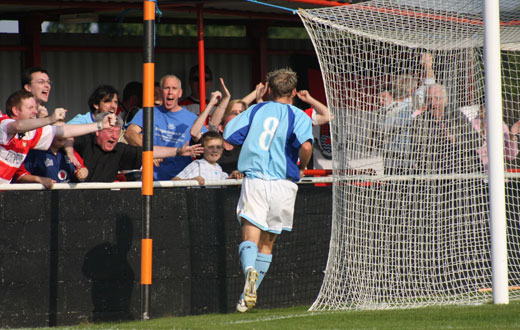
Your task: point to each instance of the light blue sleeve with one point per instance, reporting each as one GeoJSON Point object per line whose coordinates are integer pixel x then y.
{"type": "Point", "coordinates": [81, 119]}
{"type": "Point", "coordinates": [138, 119]}
{"type": "Point", "coordinates": [236, 130]}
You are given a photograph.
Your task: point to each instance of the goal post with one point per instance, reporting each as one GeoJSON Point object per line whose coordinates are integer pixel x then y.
{"type": "Point", "coordinates": [405, 84]}
{"type": "Point", "coordinates": [496, 156]}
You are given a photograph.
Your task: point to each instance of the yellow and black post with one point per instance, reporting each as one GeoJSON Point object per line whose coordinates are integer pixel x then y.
{"type": "Point", "coordinates": [147, 177]}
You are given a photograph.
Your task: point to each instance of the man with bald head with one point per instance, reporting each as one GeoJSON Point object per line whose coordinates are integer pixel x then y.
{"type": "Point", "coordinates": [436, 101]}
{"type": "Point", "coordinates": [172, 125]}
{"type": "Point", "coordinates": [446, 138]}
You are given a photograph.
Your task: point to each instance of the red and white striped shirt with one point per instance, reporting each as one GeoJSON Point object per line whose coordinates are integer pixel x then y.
{"type": "Point", "coordinates": [14, 148]}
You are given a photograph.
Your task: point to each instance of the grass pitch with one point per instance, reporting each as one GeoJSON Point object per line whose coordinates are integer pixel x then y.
{"type": "Point", "coordinates": [486, 316]}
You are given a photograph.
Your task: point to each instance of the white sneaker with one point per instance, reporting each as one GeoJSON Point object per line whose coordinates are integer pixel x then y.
{"type": "Point", "coordinates": [250, 288]}
{"type": "Point", "coordinates": [241, 306]}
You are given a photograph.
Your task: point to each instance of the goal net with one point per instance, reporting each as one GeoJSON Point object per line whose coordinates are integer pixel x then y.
{"type": "Point", "coordinates": [404, 81]}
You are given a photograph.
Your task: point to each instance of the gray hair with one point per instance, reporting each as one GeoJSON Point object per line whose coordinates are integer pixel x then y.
{"type": "Point", "coordinates": [100, 116]}
{"type": "Point", "coordinates": [161, 82]}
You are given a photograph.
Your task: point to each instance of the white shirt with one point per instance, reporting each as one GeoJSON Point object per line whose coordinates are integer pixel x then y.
{"type": "Point", "coordinates": [201, 167]}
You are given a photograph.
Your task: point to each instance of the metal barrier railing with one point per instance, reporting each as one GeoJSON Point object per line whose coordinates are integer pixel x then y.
{"type": "Point", "coordinates": [138, 184]}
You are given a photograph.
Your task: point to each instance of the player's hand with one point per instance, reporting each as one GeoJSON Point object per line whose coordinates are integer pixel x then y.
{"type": "Point", "coordinates": [81, 173]}
{"type": "Point", "coordinates": [236, 175]}
{"type": "Point", "coordinates": [42, 112]}
{"type": "Point", "coordinates": [59, 114]}
{"type": "Point", "coordinates": [191, 151]}
{"type": "Point", "coordinates": [157, 162]}
{"type": "Point", "coordinates": [199, 179]}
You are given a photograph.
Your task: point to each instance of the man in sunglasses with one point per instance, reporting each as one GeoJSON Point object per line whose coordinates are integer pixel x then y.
{"type": "Point", "coordinates": [192, 102]}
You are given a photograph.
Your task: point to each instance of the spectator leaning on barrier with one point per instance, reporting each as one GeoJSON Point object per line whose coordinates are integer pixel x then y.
{"type": "Point", "coordinates": [21, 131]}
{"type": "Point", "coordinates": [50, 166]}
{"type": "Point", "coordinates": [104, 156]}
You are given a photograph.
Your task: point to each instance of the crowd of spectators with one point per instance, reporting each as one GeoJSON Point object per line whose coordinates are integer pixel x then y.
{"type": "Point", "coordinates": [188, 143]}
{"type": "Point", "coordinates": [420, 132]}
{"type": "Point", "coordinates": [412, 112]}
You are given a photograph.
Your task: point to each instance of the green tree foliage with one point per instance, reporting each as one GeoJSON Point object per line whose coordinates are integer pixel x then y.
{"type": "Point", "coordinates": [136, 29]}
{"type": "Point", "coordinates": [121, 29]}
{"type": "Point", "coordinates": [57, 27]}
{"type": "Point", "coordinates": [287, 33]}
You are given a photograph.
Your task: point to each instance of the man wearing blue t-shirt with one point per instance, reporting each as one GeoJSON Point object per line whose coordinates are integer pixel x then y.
{"type": "Point", "coordinates": [273, 136]}
{"type": "Point", "coordinates": [172, 125]}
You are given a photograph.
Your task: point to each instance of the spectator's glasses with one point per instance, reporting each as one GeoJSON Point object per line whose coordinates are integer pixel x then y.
{"type": "Point", "coordinates": [218, 148]}
{"type": "Point", "coordinates": [42, 82]}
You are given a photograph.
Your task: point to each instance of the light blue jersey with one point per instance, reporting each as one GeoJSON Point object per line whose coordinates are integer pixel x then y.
{"type": "Point", "coordinates": [271, 134]}
{"type": "Point", "coordinates": [85, 118]}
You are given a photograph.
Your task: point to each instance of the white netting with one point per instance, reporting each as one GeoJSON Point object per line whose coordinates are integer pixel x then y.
{"type": "Point", "coordinates": [405, 84]}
